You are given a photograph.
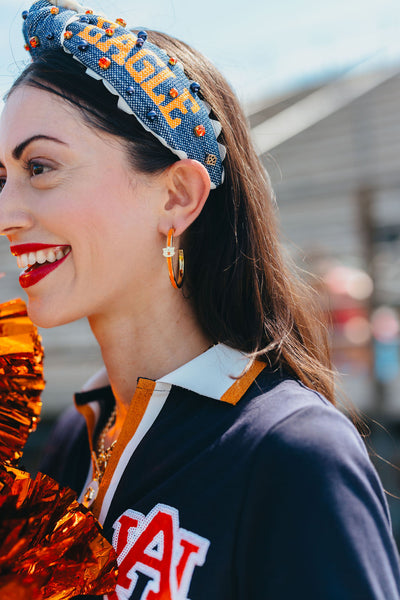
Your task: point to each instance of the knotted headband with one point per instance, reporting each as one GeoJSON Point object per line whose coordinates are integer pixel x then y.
{"type": "Point", "coordinates": [149, 84]}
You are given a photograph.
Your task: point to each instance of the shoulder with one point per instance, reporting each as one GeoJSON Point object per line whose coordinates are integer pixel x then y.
{"type": "Point", "coordinates": [300, 439]}
{"type": "Point", "coordinates": [292, 417]}
{"type": "Point", "coordinates": [313, 501]}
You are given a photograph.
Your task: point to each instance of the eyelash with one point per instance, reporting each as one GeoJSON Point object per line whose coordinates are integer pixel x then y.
{"type": "Point", "coordinates": [28, 166]}
{"type": "Point", "coordinates": [31, 164]}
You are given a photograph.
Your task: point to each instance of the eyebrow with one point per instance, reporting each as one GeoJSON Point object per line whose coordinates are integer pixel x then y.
{"type": "Point", "coordinates": [18, 150]}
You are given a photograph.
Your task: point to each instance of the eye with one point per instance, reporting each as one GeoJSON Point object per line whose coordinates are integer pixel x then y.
{"type": "Point", "coordinates": [37, 168]}
{"type": "Point", "coordinates": [3, 181]}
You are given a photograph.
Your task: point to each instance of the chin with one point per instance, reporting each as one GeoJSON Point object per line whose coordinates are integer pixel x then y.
{"type": "Point", "coordinates": [45, 316]}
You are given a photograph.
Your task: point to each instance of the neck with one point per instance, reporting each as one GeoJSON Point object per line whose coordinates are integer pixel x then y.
{"type": "Point", "coordinates": [148, 343]}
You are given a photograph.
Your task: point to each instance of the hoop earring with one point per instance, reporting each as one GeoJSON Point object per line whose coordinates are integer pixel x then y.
{"type": "Point", "coordinates": [169, 252]}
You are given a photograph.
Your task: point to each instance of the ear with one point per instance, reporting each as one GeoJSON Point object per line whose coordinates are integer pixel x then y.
{"type": "Point", "coordinates": [188, 187]}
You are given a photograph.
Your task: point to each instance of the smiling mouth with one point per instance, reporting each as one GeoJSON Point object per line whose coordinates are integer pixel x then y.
{"type": "Point", "coordinates": [33, 260]}
{"type": "Point", "coordinates": [38, 261]}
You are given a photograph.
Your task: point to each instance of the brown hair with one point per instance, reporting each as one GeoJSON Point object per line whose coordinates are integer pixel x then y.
{"type": "Point", "coordinates": [242, 289]}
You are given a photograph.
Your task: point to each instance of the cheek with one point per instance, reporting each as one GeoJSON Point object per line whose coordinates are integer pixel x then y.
{"type": "Point", "coordinates": [105, 222]}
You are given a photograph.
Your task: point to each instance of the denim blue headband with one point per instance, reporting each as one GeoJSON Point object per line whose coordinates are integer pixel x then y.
{"type": "Point", "coordinates": [149, 84]}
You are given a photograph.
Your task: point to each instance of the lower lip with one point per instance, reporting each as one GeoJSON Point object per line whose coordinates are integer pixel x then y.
{"type": "Point", "coordinates": [32, 277]}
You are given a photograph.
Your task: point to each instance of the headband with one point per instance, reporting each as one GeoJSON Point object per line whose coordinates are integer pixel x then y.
{"type": "Point", "coordinates": [149, 84]}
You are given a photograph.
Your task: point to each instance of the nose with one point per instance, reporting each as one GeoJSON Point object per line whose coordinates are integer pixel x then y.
{"type": "Point", "coordinates": [14, 215]}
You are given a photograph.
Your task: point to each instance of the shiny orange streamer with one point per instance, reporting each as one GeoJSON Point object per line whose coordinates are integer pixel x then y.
{"type": "Point", "coordinates": [51, 547]}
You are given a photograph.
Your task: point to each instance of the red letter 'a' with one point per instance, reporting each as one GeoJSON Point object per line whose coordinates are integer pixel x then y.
{"type": "Point", "coordinates": [160, 523]}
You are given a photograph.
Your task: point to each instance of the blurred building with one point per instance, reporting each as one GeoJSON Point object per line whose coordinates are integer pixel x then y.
{"type": "Point", "coordinates": [333, 154]}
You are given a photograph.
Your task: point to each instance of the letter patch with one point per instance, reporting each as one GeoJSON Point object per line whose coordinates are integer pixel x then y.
{"type": "Point", "coordinates": [156, 557]}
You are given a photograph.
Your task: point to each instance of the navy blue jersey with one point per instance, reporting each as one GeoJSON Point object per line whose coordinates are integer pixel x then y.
{"type": "Point", "coordinates": [233, 489]}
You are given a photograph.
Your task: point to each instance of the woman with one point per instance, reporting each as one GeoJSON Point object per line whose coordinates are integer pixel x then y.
{"type": "Point", "coordinates": [209, 446]}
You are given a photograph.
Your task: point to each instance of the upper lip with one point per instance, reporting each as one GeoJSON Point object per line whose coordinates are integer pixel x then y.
{"type": "Point", "coordinates": [34, 247]}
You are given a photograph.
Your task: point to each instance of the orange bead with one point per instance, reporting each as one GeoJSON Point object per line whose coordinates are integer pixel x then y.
{"type": "Point", "coordinates": [68, 35]}
{"type": "Point", "coordinates": [104, 62]}
{"type": "Point", "coordinates": [200, 131]}
{"type": "Point", "coordinates": [89, 12]}
{"type": "Point", "coordinates": [173, 92]}
{"type": "Point", "coordinates": [34, 42]}
{"type": "Point", "coordinates": [27, 47]}
{"type": "Point", "coordinates": [54, 10]}
{"type": "Point", "coordinates": [121, 22]}
{"type": "Point", "coordinates": [173, 61]}
{"type": "Point", "coordinates": [110, 31]}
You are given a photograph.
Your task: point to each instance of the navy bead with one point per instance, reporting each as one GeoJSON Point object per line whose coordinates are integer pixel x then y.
{"type": "Point", "coordinates": [50, 36]}
{"type": "Point", "coordinates": [83, 46]}
{"type": "Point", "coordinates": [151, 115]}
{"type": "Point", "coordinates": [143, 35]}
{"type": "Point", "coordinates": [25, 14]}
{"type": "Point", "coordinates": [84, 19]}
{"type": "Point", "coordinates": [195, 87]}
{"type": "Point", "coordinates": [106, 25]}
{"type": "Point", "coordinates": [130, 90]}
{"type": "Point", "coordinates": [139, 42]}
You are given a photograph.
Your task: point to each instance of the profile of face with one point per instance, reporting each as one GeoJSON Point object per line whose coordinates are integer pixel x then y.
{"type": "Point", "coordinates": [72, 204]}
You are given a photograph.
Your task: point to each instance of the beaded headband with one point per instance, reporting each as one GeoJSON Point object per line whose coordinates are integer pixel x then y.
{"type": "Point", "coordinates": [149, 84]}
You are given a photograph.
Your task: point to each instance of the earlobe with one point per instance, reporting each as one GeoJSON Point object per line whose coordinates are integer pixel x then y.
{"type": "Point", "coordinates": [188, 189]}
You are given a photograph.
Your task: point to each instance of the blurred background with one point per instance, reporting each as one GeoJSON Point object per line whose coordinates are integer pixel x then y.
{"type": "Point", "coordinates": [320, 83]}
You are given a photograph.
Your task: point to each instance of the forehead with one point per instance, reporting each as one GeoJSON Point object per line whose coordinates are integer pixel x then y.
{"type": "Point", "coordinates": [29, 111]}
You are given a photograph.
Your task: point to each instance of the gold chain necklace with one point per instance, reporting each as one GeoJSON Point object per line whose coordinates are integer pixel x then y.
{"type": "Point", "coordinates": [100, 456]}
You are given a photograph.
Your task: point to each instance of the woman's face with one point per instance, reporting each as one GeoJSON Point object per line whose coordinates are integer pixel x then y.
{"type": "Point", "coordinates": [72, 206]}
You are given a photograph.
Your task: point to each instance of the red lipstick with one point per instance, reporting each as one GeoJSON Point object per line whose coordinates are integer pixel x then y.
{"type": "Point", "coordinates": [34, 247]}
{"type": "Point", "coordinates": [29, 278]}
{"type": "Point", "coordinates": [33, 274]}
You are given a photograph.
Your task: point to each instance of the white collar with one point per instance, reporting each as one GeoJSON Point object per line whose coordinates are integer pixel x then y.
{"type": "Point", "coordinates": [211, 373]}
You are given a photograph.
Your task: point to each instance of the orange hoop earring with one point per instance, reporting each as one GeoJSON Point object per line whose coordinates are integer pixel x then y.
{"type": "Point", "coordinates": [169, 252]}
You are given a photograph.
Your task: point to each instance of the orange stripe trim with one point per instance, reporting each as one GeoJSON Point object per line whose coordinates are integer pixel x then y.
{"type": "Point", "coordinates": [137, 408]}
{"type": "Point", "coordinates": [90, 418]}
{"type": "Point", "coordinates": [237, 390]}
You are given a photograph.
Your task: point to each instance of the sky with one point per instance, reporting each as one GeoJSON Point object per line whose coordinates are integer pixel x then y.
{"type": "Point", "coordinates": [264, 48]}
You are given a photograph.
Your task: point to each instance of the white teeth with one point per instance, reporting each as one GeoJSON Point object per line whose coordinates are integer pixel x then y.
{"type": "Point", "coordinates": [40, 257]}
{"type": "Point", "coordinates": [50, 255]}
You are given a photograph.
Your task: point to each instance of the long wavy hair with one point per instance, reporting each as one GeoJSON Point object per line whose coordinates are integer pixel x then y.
{"type": "Point", "coordinates": [244, 291]}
